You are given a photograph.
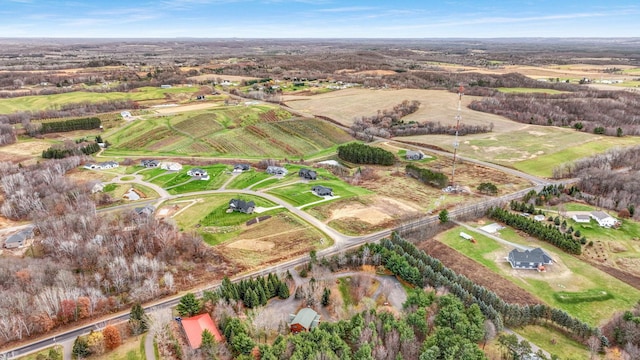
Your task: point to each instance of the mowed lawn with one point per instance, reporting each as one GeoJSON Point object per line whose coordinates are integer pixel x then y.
{"type": "Point", "coordinates": [43, 102]}
{"type": "Point", "coordinates": [179, 182]}
{"type": "Point", "coordinates": [247, 178]}
{"type": "Point", "coordinates": [300, 194]}
{"type": "Point", "coordinates": [570, 275]}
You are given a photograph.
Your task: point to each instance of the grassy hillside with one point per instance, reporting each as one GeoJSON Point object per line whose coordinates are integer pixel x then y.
{"type": "Point", "coordinates": [43, 102]}
{"type": "Point", "coordinates": [255, 131]}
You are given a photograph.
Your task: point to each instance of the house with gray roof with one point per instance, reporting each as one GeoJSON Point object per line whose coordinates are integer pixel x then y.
{"type": "Point", "coordinates": [605, 220]}
{"type": "Point", "coordinates": [581, 218]}
{"type": "Point", "coordinates": [242, 206]}
{"type": "Point", "coordinates": [241, 167]}
{"type": "Point", "coordinates": [150, 163]}
{"type": "Point", "coordinates": [19, 239]}
{"type": "Point", "coordinates": [414, 155]}
{"type": "Point", "coordinates": [534, 259]}
{"type": "Point", "coordinates": [305, 320]}
{"type": "Point", "coordinates": [307, 174]}
{"type": "Point", "coordinates": [322, 190]}
{"type": "Point", "coordinates": [277, 170]}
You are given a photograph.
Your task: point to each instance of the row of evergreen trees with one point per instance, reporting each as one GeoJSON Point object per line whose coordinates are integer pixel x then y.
{"type": "Point", "coordinates": [254, 292]}
{"type": "Point", "coordinates": [70, 125]}
{"type": "Point", "coordinates": [537, 229]}
{"type": "Point", "coordinates": [363, 154]}
{"type": "Point", "coordinates": [501, 313]}
{"type": "Point", "coordinates": [432, 178]}
{"type": "Point", "coordinates": [60, 153]}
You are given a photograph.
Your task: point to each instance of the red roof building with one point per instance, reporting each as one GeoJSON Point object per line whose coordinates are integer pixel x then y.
{"type": "Point", "coordinates": [195, 325]}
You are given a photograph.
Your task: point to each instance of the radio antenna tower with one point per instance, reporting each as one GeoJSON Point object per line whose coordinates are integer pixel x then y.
{"type": "Point", "coordinates": [456, 144]}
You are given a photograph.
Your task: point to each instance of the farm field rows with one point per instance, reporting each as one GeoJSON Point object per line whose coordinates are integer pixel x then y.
{"type": "Point", "coordinates": [567, 275]}
{"type": "Point", "coordinates": [255, 131]}
{"type": "Point", "coordinates": [43, 102]}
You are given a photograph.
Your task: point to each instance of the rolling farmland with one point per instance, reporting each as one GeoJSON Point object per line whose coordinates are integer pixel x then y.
{"type": "Point", "coordinates": [231, 131]}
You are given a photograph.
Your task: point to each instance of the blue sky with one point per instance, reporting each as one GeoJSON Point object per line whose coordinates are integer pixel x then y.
{"type": "Point", "coordinates": [319, 18]}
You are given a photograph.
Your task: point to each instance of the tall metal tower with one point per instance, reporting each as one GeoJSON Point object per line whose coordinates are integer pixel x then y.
{"type": "Point", "coordinates": [456, 144]}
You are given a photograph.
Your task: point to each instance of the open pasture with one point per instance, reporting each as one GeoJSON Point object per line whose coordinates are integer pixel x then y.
{"type": "Point", "coordinates": [43, 102]}
{"type": "Point", "coordinates": [568, 277]}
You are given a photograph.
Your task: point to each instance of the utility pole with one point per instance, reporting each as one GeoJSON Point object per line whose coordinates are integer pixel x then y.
{"type": "Point", "coordinates": [456, 144]}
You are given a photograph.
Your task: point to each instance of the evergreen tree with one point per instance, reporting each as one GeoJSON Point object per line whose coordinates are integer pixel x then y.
{"type": "Point", "coordinates": [138, 321]}
{"type": "Point", "coordinates": [326, 297]}
{"type": "Point", "coordinates": [283, 290]}
{"type": "Point", "coordinates": [188, 305]}
{"type": "Point", "coordinates": [208, 344]}
{"type": "Point", "coordinates": [80, 348]}
{"type": "Point", "coordinates": [443, 216]}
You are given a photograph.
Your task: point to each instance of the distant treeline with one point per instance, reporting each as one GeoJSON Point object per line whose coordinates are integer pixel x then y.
{"type": "Point", "coordinates": [363, 154]}
{"type": "Point", "coordinates": [613, 113]}
{"type": "Point", "coordinates": [70, 125]}
{"type": "Point", "coordinates": [608, 180]}
{"type": "Point", "coordinates": [428, 177]}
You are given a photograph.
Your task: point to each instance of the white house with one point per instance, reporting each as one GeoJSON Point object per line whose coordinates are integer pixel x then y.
{"type": "Point", "coordinates": [581, 218]}
{"type": "Point", "coordinates": [171, 166]}
{"type": "Point", "coordinates": [125, 115]}
{"type": "Point", "coordinates": [198, 173]}
{"type": "Point", "coordinates": [603, 219]}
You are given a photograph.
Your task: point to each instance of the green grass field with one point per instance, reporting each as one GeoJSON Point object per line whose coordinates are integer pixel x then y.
{"type": "Point", "coordinates": [561, 346]}
{"type": "Point", "coordinates": [246, 179]}
{"type": "Point", "coordinates": [43, 102]}
{"type": "Point", "coordinates": [570, 148]}
{"type": "Point", "coordinates": [218, 175]}
{"type": "Point", "coordinates": [580, 277]}
{"type": "Point", "coordinates": [529, 90]}
{"type": "Point", "coordinates": [300, 194]}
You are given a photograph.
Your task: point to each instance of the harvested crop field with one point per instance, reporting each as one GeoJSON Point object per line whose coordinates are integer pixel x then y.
{"type": "Point", "coordinates": [477, 273]}
{"type": "Point", "coordinates": [436, 105]}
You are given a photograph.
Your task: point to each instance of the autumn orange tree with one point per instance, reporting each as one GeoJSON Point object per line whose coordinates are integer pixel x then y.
{"type": "Point", "coordinates": [112, 337]}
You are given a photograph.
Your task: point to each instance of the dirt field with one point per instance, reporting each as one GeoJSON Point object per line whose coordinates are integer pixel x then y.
{"type": "Point", "coordinates": [478, 273]}
{"type": "Point", "coordinates": [21, 152]}
{"type": "Point", "coordinates": [276, 239]}
{"type": "Point", "coordinates": [436, 105]}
